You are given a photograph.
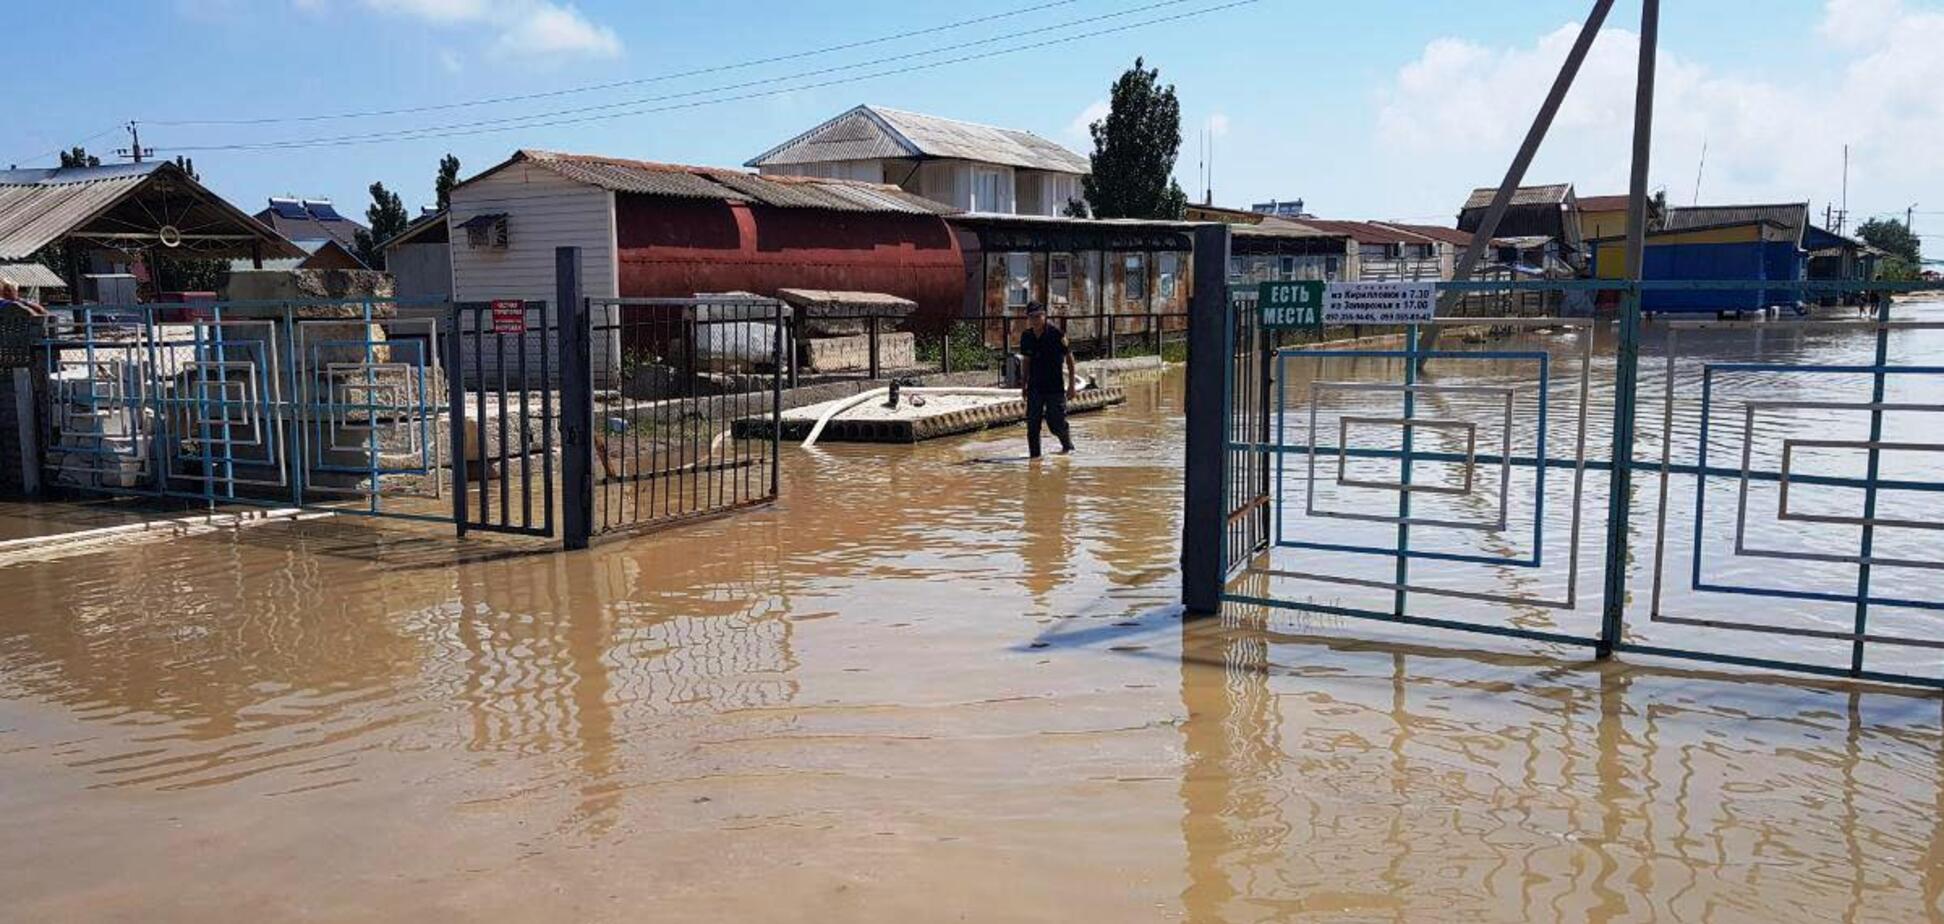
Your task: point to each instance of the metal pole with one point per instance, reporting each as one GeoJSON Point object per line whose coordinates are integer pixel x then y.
{"type": "Point", "coordinates": [1208, 372]}
{"type": "Point", "coordinates": [576, 401]}
{"type": "Point", "coordinates": [1515, 174]}
{"type": "Point", "coordinates": [1626, 377]}
{"type": "Point", "coordinates": [456, 410]}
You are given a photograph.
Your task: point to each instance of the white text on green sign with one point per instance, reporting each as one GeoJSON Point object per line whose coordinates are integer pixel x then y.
{"type": "Point", "coordinates": [1291, 304]}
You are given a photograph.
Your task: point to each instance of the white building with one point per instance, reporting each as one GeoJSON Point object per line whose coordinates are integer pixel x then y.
{"type": "Point", "coordinates": [974, 168]}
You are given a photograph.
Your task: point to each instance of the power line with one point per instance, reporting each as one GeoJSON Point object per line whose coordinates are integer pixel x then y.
{"type": "Point", "coordinates": [67, 147]}
{"type": "Point", "coordinates": [545, 120]}
{"type": "Point", "coordinates": [515, 121]}
{"type": "Point", "coordinates": [596, 87]}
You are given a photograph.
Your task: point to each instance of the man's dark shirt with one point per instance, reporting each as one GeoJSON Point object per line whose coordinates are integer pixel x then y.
{"type": "Point", "coordinates": [1046, 373]}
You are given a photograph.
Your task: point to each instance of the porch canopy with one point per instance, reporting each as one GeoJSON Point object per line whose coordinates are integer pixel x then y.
{"type": "Point", "coordinates": [129, 208]}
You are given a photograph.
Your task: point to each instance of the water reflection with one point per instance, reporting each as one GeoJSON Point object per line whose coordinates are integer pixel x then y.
{"type": "Point", "coordinates": [1404, 782]}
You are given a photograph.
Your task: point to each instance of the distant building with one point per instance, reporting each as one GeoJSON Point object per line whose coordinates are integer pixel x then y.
{"type": "Point", "coordinates": [970, 167]}
{"type": "Point", "coordinates": [1606, 216]}
{"type": "Point", "coordinates": [1536, 212]}
{"type": "Point", "coordinates": [669, 230]}
{"type": "Point", "coordinates": [1755, 243]}
{"type": "Point", "coordinates": [310, 220]}
{"type": "Point", "coordinates": [1291, 208]}
{"type": "Point", "coordinates": [326, 253]}
{"type": "Point", "coordinates": [420, 258]}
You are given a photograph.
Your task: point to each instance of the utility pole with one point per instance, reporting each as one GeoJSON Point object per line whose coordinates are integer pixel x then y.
{"type": "Point", "coordinates": [134, 151]}
{"type": "Point", "coordinates": [1842, 216]}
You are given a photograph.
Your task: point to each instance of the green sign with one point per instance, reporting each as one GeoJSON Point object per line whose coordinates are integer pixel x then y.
{"type": "Point", "coordinates": [1291, 304]}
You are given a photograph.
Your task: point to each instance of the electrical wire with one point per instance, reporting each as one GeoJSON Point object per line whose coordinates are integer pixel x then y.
{"type": "Point", "coordinates": [545, 120]}
{"type": "Point", "coordinates": [690, 94]}
{"type": "Point", "coordinates": [637, 81]}
{"type": "Point", "coordinates": [67, 147]}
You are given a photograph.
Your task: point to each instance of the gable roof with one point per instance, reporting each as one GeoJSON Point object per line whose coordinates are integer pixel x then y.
{"type": "Point", "coordinates": [871, 132]}
{"type": "Point", "coordinates": [39, 206]}
{"type": "Point", "coordinates": [1793, 216]}
{"type": "Point", "coordinates": [1552, 194]}
{"type": "Point", "coordinates": [682, 181]}
{"type": "Point", "coordinates": [309, 220]}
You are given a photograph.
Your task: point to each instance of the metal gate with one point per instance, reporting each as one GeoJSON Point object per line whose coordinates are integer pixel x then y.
{"type": "Point", "coordinates": [502, 419]}
{"type": "Point", "coordinates": [330, 404]}
{"type": "Point", "coordinates": [1458, 475]}
{"type": "Point", "coordinates": [687, 407]}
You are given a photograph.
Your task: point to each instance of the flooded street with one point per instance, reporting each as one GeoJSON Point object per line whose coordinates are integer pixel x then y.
{"type": "Point", "coordinates": [931, 683]}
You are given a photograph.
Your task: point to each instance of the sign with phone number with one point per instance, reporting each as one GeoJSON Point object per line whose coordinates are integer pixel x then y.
{"type": "Point", "coordinates": [1312, 304]}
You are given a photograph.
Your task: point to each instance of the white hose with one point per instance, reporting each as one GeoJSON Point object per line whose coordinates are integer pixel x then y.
{"type": "Point", "coordinates": [858, 399]}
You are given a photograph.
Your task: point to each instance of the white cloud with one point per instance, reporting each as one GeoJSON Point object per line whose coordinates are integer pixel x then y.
{"type": "Point", "coordinates": [536, 27]}
{"type": "Point", "coordinates": [1217, 125]}
{"type": "Point", "coordinates": [451, 61]}
{"type": "Point", "coordinates": [1452, 118]}
{"type": "Point", "coordinates": [1080, 127]}
{"type": "Point", "coordinates": [544, 28]}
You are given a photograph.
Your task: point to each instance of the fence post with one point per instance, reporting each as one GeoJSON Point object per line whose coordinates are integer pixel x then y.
{"type": "Point", "coordinates": [1208, 371]}
{"type": "Point", "coordinates": [875, 366]}
{"type": "Point", "coordinates": [455, 372]}
{"type": "Point", "coordinates": [1626, 364]}
{"type": "Point", "coordinates": [576, 401]}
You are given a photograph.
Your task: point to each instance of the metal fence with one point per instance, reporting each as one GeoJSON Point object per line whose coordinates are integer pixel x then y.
{"type": "Point", "coordinates": [300, 403]}
{"type": "Point", "coordinates": [1475, 473]}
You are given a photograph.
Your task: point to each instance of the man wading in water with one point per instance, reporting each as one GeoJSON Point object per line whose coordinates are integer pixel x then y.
{"type": "Point", "coordinates": [1047, 376]}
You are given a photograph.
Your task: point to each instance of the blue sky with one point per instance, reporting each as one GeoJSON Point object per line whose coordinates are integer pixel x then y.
{"type": "Point", "coordinates": [1378, 109]}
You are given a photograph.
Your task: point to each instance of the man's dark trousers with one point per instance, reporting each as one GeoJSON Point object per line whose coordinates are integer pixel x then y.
{"type": "Point", "coordinates": [1050, 406]}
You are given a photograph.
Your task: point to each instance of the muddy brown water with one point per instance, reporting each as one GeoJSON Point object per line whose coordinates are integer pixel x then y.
{"type": "Point", "coordinates": [932, 683]}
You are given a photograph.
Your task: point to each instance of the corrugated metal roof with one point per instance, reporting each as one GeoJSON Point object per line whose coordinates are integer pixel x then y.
{"type": "Point", "coordinates": [1524, 195]}
{"type": "Point", "coordinates": [41, 205]}
{"type": "Point", "coordinates": [1793, 216]}
{"type": "Point", "coordinates": [36, 275]}
{"type": "Point", "coordinates": [867, 132]}
{"type": "Point", "coordinates": [855, 135]}
{"type": "Point", "coordinates": [646, 179]}
{"type": "Point", "coordinates": [1365, 232]}
{"type": "Point", "coordinates": [688, 182]}
{"type": "Point", "coordinates": [36, 213]}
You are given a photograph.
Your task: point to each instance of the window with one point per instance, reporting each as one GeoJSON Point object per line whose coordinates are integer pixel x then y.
{"type": "Point", "coordinates": [1170, 266]}
{"type": "Point", "coordinates": [1330, 267]}
{"type": "Point", "coordinates": [1374, 251]}
{"type": "Point", "coordinates": [1134, 277]}
{"type": "Point", "coordinates": [987, 186]}
{"type": "Point", "coordinates": [1019, 279]}
{"type": "Point", "coordinates": [1059, 278]}
{"type": "Point", "coordinates": [1418, 251]}
{"type": "Point", "coordinates": [1285, 268]}
{"type": "Point", "coordinates": [486, 231]}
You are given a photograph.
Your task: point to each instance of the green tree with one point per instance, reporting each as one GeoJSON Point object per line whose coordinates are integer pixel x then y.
{"type": "Point", "coordinates": [1892, 237]}
{"type": "Point", "coordinates": [448, 178]}
{"type": "Point", "coordinates": [1135, 148]}
{"type": "Point", "coordinates": [386, 216]}
{"type": "Point", "coordinates": [79, 157]}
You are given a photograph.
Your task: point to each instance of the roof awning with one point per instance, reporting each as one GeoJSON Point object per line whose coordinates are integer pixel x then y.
{"type": "Point", "coordinates": [34, 275]}
{"type": "Point", "coordinates": [483, 220]}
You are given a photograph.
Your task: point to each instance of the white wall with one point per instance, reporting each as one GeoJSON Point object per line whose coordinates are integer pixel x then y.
{"type": "Point", "coordinates": [543, 211]}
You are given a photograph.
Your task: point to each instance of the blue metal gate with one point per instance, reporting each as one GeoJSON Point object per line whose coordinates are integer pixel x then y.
{"type": "Point", "coordinates": [1460, 475]}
